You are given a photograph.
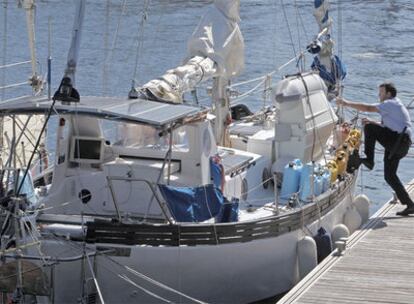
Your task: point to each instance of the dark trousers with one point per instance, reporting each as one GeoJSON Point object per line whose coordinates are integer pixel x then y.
{"type": "Point", "coordinates": [388, 138]}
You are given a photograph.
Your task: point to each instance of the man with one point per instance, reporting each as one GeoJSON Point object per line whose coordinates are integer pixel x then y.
{"type": "Point", "coordinates": [393, 133]}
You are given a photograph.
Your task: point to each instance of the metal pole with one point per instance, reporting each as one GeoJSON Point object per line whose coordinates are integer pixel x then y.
{"type": "Point", "coordinates": [49, 60]}
{"type": "Point", "coordinates": [3, 74]}
{"type": "Point", "coordinates": [312, 181]}
{"type": "Point", "coordinates": [23, 154]}
{"type": "Point", "coordinates": [169, 155]}
{"type": "Point", "coordinates": [276, 190]}
{"type": "Point", "coordinates": [19, 279]}
{"type": "Point", "coordinates": [14, 141]}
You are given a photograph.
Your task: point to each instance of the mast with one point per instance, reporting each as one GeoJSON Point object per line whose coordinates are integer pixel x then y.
{"type": "Point", "coordinates": [66, 91]}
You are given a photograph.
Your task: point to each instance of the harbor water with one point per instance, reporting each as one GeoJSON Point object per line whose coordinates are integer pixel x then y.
{"type": "Point", "coordinates": [125, 40]}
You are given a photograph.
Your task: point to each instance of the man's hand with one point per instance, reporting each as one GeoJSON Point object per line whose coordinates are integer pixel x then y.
{"type": "Point", "coordinates": [341, 101]}
{"type": "Point", "coordinates": [365, 121]}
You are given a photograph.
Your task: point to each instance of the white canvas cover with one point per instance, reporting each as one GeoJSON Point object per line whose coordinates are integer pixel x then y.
{"type": "Point", "coordinates": [216, 48]}
{"type": "Point", "coordinates": [218, 37]}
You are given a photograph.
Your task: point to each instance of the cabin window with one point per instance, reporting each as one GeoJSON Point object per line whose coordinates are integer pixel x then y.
{"type": "Point", "coordinates": [142, 136]}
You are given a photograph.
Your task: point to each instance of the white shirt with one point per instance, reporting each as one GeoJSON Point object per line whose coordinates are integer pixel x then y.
{"type": "Point", "coordinates": [395, 115]}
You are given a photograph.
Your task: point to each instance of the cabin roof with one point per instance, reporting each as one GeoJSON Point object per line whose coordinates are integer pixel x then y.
{"type": "Point", "coordinates": [139, 111]}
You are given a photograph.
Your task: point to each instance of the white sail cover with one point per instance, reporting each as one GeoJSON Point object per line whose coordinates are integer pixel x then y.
{"type": "Point", "coordinates": [215, 49]}
{"type": "Point", "coordinates": [218, 37]}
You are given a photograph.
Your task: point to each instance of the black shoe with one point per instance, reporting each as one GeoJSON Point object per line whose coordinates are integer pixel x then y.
{"type": "Point", "coordinates": [354, 161]}
{"type": "Point", "coordinates": [407, 211]}
{"type": "Point", "coordinates": [367, 163]}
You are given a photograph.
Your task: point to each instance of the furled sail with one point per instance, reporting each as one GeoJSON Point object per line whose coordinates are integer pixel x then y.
{"type": "Point", "coordinates": [215, 49]}
{"type": "Point", "coordinates": [329, 66]}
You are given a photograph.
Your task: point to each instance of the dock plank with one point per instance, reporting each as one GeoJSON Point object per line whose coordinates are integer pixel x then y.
{"type": "Point", "coordinates": [377, 266]}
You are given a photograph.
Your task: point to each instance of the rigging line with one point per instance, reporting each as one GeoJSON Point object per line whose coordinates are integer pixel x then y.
{"type": "Point", "coordinates": [3, 74]}
{"type": "Point", "coordinates": [257, 186]}
{"type": "Point", "coordinates": [14, 64]}
{"type": "Point", "coordinates": [95, 280]}
{"type": "Point", "coordinates": [77, 246]}
{"type": "Point", "coordinates": [311, 111]}
{"type": "Point", "coordinates": [140, 38]}
{"type": "Point", "coordinates": [23, 126]}
{"type": "Point", "coordinates": [157, 31]}
{"type": "Point", "coordinates": [14, 99]}
{"type": "Point", "coordinates": [36, 146]}
{"type": "Point", "coordinates": [128, 280]}
{"type": "Point", "coordinates": [261, 78]}
{"type": "Point", "coordinates": [409, 104]}
{"type": "Point", "coordinates": [211, 215]}
{"type": "Point", "coordinates": [159, 284]}
{"type": "Point", "coordinates": [340, 29]}
{"type": "Point", "coordinates": [124, 277]}
{"type": "Point", "coordinates": [25, 217]}
{"type": "Point", "coordinates": [302, 24]}
{"type": "Point", "coordinates": [288, 27]}
{"type": "Point", "coordinates": [34, 238]}
{"type": "Point", "coordinates": [248, 93]}
{"type": "Point", "coordinates": [301, 62]}
{"type": "Point", "coordinates": [118, 26]}
{"type": "Point", "coordinates": [14, 85]}
{"type": "Point", "coordinates": [180, 279]}
{"type": "Point", "coordinates": [13, 149]}
{"type": "Point", "coordinates": [106, 46]}
{"type": "Point", "coordinates": [274, 30]}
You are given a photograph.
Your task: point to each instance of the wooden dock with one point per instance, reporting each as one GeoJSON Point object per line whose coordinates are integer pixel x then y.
{"type": "Point", "coordinates": [376, 267]}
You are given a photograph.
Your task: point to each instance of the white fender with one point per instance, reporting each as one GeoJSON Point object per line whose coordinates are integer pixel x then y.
{"type": "Point", "coordinates": [362, 203]}
{"type": "Point", "coordinates": [352, 219]}
{"type": "Point", "coordinates": [307, 256]}
{"type": "Point", "coordinates": [339, 231]}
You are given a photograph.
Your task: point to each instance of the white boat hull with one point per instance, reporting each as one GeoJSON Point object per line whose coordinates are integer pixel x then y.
{"type": "Point", "coordinates": [228, 273]}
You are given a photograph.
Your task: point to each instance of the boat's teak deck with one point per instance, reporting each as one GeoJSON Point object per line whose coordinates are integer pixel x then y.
{"type": "Point", "coordinates": [376, 267]}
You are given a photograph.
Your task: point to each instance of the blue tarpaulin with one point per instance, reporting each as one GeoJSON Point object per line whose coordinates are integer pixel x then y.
{"type": "Point", "coordinates": [197, 204]}
{"type": "Point", "coordinates": [229, 212]}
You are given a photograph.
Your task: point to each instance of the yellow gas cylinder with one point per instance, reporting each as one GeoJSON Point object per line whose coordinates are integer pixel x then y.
{"type": "Point", "coordinates": [342, 153]}
{"type": "Point", "coordinates": [341, 163]}
{"type": "Point", "coordinates": [355, 133]}
{"type": "Point", "coordinates": [355, 141]}
{"type": "Point", "coordinates": [352, 142]}
{"type": "Point", "coordinates": [347, 147]}
{"type": "Point", "coordinates": [333, 168]}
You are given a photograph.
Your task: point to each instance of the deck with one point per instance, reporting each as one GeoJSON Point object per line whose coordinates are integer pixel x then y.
{"type": "Point", "coordinates": [376, 267]}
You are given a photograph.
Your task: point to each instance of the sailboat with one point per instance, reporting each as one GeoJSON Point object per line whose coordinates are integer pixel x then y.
{"type": "Point", "coordinates": [151, 199]}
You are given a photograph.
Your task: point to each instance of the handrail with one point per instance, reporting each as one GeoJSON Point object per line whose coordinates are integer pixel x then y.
{"type": "Point", "coordinates": [131, 179]}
